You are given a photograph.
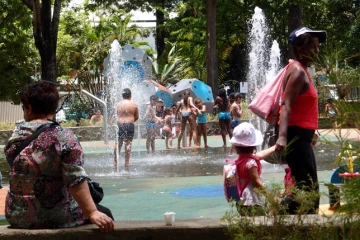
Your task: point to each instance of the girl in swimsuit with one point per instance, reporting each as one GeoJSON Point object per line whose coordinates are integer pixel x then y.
{"type": "Point", "coordinates": [222, 102]}
{"type": "Point", "coordinates": [187, 116]}
{"type": "Point", "coordinates": [201, 122]}
{"type": "Point", "coordinates": [167, 129]}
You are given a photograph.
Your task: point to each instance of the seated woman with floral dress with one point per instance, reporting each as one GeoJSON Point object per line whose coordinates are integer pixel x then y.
{"type": "Point", "coordinates": [47, 180]}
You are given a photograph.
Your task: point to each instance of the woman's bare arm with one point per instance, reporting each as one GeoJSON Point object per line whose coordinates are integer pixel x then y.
{"type": "Point", "coordinates": [177, 109]}
{"type": "Point", "coordinates": [191, 103]}
{"type": "Point", "coordinates": [293, 86]}
{"type": "Point", "coordinates": [81, 194]}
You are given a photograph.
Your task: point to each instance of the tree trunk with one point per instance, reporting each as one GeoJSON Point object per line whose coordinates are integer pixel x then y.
{"type": "Point", "coordinates": [295, 17]}
{"type": "Point", "coordinates": [45, 29]}
{"type": "Point", "coordinates": [211, 56]}
{"type": "Point", "coordinates": [160, 38]}
{"type": "Point", "coordinates": [48, 66]}
{"type": "Point", "coordinates": [295, 21]}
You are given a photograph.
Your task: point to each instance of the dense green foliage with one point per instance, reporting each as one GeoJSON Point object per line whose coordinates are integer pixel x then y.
{"type": "Point", "coordinates": [19, 59]}
{"type": "Point", "coordinates": [83, 42]}
{"type": "Point", "coordinates": [189, 30]}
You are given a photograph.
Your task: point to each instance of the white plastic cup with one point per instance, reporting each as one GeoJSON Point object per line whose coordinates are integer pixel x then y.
{"type": "Point", "coordinates": [169, 218]}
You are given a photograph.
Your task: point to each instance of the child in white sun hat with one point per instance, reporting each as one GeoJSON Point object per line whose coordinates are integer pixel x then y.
{"type": "Point", "coordinates": [245, 139]}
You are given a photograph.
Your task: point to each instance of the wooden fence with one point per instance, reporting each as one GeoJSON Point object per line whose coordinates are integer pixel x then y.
{"type": "Point", "coordinates": [10, 113]}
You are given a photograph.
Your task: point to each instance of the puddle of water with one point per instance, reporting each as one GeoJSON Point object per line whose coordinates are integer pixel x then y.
{"type": "Point", "coordinates": [186, 163]}
{"type": "Point", "coordinates": [178, 163]}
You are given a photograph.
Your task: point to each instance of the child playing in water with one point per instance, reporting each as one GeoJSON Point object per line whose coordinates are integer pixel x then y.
{"type": "Point", "coordinates": [187, 115]}
{"type": "Point", "coordinates": [330, 111]}
{"type": "Point", "coordinates": [245, 139]}
{"type": "Point", "coordinates": [167, 129]}
{"type": "Point", "coordinates": [193, 110]}
{"type": "Point", "coordinates": [201, 122]}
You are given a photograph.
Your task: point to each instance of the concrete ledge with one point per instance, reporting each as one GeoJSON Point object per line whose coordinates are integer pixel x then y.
{"type": "Point", "coordinates": [191, 229]}
{"type": "Point", "coordinates": [209, 229]}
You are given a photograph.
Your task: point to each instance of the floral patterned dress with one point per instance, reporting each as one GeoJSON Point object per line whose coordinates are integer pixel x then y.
{"type": "Point", "coordinates": [40, 178]}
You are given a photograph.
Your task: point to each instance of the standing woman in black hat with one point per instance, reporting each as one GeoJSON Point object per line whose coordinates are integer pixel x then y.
{"type": "Point", "coordinates": [299, 116]}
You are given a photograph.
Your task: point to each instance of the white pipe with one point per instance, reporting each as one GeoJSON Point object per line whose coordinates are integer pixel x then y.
{"type": "Point", "coordinates": [106, 140]}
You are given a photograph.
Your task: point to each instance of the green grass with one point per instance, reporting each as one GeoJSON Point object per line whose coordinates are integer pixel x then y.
{"type": "Point", "coordinates": [3, 222]}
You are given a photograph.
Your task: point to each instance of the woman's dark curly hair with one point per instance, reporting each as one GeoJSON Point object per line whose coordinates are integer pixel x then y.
{"type": "Point", "coordinates": [43, 97]}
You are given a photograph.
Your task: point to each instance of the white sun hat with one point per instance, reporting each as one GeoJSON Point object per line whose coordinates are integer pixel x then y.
{"type": "Point", "coordinates": [245, 135]}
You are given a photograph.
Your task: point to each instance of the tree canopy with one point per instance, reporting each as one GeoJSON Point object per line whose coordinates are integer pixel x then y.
{"type": "Point", "coordinates": [20, 61]}
{"type": "Point", "coordinates": [80, 44]}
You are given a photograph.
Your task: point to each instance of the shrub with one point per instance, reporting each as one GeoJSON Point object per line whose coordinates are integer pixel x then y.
{"type": "Point", "coordinates": [246, 115]}
{"type": "Point", "coordinates": [212, 117]}
{"type": "Point", "coordinates": [6, 126]}
{"type": "Point", "coordinates": [71, 123]}
{"type": "Point", "coordinates": [84, 122]}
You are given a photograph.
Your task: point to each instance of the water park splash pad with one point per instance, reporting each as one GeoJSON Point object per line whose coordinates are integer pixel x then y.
{"type": "Point", "coordinates": [129, 67]}
{"type": "Point", "coordinates": [186, 173]}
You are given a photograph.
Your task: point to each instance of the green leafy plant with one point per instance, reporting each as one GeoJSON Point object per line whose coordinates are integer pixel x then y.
{"type": "Point", "coordinates": [276, 225]}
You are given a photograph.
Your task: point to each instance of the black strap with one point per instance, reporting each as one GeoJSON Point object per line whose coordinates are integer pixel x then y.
{"type": "Point", "coordinates": [26, 142]}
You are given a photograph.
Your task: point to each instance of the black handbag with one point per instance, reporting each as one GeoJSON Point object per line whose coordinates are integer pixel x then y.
{"type": "Point", "coordinates": [96, 191]}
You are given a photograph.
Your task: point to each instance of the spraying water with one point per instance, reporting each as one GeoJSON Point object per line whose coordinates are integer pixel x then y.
{"type": "Point", "coordinates": [123, 73]}
{"type": "Point", "coordinates": [263, 64]}
{"type": "Point", "coordinates": [113, 75]}
{"type": "Point", "coordinates": [274, 61]}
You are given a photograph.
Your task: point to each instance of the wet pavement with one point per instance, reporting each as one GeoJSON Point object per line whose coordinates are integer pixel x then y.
{"type": "Point", "coordinates": [186, 181]}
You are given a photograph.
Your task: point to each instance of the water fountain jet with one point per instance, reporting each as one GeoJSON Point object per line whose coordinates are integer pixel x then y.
{"type": "Point", "coordinates": [263, 63]}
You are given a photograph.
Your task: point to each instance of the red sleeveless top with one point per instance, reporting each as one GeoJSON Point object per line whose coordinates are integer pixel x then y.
{"type": "Point", "coordinates": [304, 111]}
